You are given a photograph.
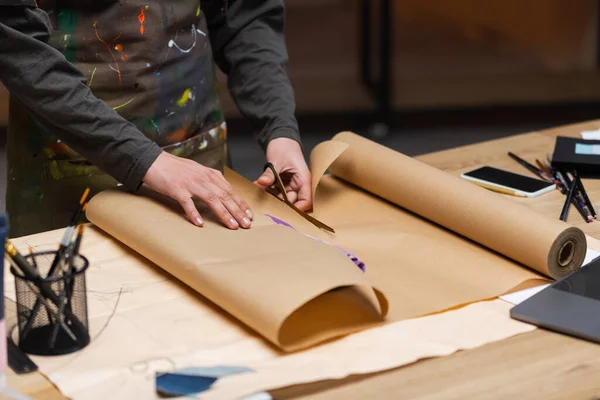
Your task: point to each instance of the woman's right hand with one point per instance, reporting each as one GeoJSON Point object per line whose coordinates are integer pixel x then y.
{"type": "Point", "coordinates": [183, 180]}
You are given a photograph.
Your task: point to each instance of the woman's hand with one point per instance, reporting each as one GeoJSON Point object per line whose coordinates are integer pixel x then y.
{"type": "Point", "coordinates": [287, 158]}
{"type": "Point", "coordinates": [183, 180]}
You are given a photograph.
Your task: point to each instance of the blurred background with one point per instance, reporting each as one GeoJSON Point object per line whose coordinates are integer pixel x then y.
{"type": "Point", "coordinates": [426, 75]}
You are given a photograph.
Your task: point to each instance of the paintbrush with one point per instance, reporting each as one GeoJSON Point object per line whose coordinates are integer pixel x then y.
{"type": "Point", "coordinates": [68, 236]}
{"type": "Point", "coordinates": [57, 262]}
{"type": "Point", "coordinates": [74, 252]}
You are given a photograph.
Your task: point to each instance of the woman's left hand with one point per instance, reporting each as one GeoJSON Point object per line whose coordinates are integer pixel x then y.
{"type": "Point", "coordinates": [286, 156]}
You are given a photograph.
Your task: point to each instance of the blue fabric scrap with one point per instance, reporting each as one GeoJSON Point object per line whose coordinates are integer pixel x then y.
{"type": "Point", "coordinates": [193, 380]}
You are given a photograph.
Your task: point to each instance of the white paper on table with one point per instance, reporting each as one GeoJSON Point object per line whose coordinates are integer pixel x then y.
{"type": "Point", "coordinates": [126, 296]}
{"type": "Point", "coordinates": [377, 349]}
{"type": "Point", "coordinates": [591, 135]}
{"type": "Point", "coordinates": [522, 295]}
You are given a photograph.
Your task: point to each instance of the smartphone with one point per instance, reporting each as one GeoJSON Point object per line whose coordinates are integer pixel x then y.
{"type": "Point", "coordinates": [523, 185]}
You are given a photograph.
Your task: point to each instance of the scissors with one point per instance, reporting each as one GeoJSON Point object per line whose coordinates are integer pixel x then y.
{"type": "Point", "coordinates": [281, 188]}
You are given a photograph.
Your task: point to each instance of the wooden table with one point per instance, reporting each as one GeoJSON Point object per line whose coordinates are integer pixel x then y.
{"type": "Point", "coordinates": [530, 366]}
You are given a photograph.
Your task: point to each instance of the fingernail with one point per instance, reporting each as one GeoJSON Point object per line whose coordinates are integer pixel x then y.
{"type": "Point", "coordinates": [234, 222]}
{"type": "Point", "coordinates": [249, 214]}
{"type": "Point", "coordinates": [246, 221]}
{"type": "Point", "coordinates": [199, 221]}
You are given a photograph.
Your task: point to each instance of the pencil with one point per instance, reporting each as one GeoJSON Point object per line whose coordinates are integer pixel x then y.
{"type": "Point", "coordinates": [565, 210]}
{"type": "Point", "coordinates": [584, 194]}
{"type": "Point", "coordinates": [499, 189]}
{"type": "Point", "coordinates": [583, 211]}
{"type": "Point", "coordinates": [562, 180]}
{"type": "Point", "coordinates": [580, 206]}
{"type": "Point", "coordinates": [527, 165]}
{"type": "Point", "coordinates": [566, 182]}
{"type": "Point", "coordinates": [34, 263]}
{"type": "Point", "coordinates": [544, 168]}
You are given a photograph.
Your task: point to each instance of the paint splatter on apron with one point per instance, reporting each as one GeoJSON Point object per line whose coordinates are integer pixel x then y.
{"type": "Point", "coordinates": [151, 61]}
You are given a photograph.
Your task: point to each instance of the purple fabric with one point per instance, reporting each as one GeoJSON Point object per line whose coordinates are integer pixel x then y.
{"type": "Point", "coordinates": [354, 259]}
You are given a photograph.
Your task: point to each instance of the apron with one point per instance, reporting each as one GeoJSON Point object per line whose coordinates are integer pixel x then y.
{"type": "Point", "coordinates": [152, 62]}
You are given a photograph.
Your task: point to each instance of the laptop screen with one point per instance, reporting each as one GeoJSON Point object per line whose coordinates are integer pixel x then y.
{"type": "Point", "coordinates": [585, 282]}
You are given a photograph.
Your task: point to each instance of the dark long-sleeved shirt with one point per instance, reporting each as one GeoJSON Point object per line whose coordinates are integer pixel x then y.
{"type": "Point", "coordinates": [248, 45]}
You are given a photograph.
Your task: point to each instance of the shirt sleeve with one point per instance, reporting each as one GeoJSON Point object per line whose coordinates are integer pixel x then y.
{"type": "Point", "coordinates": [249, 46]}
{"type": "Point", "coordinates": [55, 92]}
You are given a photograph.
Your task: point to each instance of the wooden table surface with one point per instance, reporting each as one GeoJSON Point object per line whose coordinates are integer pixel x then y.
{"type": "Point", "coordinates": [536, 365]}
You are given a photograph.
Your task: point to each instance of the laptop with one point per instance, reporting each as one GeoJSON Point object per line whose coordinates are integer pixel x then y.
{"type": "Point", "coordinates": [570, 306]}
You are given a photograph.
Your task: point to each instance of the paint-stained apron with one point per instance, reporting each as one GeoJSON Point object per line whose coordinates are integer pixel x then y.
{"type": "Point", "coordinates": [149, 60]}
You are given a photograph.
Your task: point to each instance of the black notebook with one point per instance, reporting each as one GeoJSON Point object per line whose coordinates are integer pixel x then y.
{"type": "Point", "coordinates": [576, 154]}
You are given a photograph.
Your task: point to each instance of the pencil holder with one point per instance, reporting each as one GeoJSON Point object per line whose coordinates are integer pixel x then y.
{"type": "Point", "coordinates": [52, 310]}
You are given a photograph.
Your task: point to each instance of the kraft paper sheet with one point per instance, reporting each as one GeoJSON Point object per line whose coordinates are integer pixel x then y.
{"type": "Point", "coordinates": [430, 242]}
{"type": "Point", "coordinates": [293, 290]}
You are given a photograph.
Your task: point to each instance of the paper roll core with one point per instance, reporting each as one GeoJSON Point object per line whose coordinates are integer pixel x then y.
{"type": "Point", "coordinates": [566, 254]}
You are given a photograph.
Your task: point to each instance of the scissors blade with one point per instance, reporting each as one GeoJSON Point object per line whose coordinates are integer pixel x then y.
{"type": "Point", "coordinates": [311, 219]}
{"type": "Point", "coordinates": [281, 188]}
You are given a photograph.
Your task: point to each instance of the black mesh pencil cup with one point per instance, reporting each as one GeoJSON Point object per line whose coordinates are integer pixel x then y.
{"type": "Point", "coordinates": [52, 310]}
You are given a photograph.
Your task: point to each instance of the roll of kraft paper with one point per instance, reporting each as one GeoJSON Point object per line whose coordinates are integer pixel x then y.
{"type": "Point", "coordinates": [548, 246]}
